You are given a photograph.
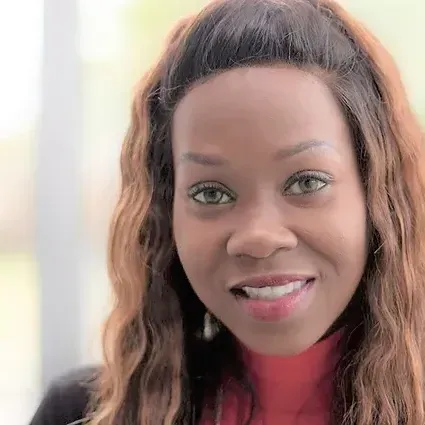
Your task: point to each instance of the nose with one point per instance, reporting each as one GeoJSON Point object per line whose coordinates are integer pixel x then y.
{"type": "Point", "coordinates": [261, 235]}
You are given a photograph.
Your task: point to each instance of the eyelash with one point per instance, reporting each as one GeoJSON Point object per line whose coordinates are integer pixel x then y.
{"type": "Point", "coordinates": [203, 187]}
{"type": "Point", "coordinates": [298, 177]}
{"type": "Point", "coordinates": [321, 177]}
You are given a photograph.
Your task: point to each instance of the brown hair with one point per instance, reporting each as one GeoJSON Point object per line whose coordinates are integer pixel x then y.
{"type": "Point", "coordinates": [156, 370]}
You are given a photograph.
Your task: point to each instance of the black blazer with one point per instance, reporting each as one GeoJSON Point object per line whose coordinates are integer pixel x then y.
{"type": "Point", "coordinates": [67, 399]}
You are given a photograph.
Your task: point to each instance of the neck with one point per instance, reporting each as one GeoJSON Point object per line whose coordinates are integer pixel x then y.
{"type": "Point", "coordinates": [300, 382]}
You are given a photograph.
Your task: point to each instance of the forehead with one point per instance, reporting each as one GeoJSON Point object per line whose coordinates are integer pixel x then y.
{"type": "Point", "coordinates": [262, 106]}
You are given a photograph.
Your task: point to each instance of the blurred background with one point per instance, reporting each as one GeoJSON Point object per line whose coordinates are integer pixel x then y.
{"type": "Point", "coordinates": [67, 72]}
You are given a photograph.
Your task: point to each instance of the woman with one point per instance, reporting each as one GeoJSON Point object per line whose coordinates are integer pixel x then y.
{"type": "Point", "coordinates": [266, 252]}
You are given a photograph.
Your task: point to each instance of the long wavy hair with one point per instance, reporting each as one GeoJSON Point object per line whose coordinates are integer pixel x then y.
{"type": "Point", "coordinates": [156, 370]}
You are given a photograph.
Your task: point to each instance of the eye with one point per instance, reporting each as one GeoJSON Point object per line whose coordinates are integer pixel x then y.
{"type": "Point", "coordinates": [211, 193]}
{"type": "Point", "coordinates": [306, 182]}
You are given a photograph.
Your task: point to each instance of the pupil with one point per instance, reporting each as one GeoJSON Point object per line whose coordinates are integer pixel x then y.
{"type": "Point", "coordinates": [309, 183]}
{"type": "Point", "coordinates": [211, 194]}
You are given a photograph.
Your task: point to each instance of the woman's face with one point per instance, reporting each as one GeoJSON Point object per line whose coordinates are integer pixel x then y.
{"type": "Point", "coordinates": [269, 211]}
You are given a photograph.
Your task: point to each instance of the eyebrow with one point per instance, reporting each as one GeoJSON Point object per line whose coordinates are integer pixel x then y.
{"type": "Point", "coordinates": [202, 159]}
{"type": "Point", "coordinates": [302, 147]}
{"type": "Point", "coordinates": [217, 161]}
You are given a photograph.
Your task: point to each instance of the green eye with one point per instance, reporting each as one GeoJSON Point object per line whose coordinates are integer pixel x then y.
{"type": "Point", "coordinates": [210, 193]}
{"type": "Point", "coordinates": [307, 183]}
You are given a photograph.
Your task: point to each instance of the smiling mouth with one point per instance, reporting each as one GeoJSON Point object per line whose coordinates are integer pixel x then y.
{"type": "Point", "coordinates": [271, 293]}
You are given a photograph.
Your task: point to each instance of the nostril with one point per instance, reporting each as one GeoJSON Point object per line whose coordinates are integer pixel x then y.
{"type": "Point", "coordinates": [260, 243]}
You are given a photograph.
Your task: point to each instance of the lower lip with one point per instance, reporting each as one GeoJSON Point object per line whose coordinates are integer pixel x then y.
{"type": "Point", "coordinates": [278, 309]}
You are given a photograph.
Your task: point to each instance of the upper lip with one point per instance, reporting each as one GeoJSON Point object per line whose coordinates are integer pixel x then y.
{"type": "Point", "coordinates": [271, 280]}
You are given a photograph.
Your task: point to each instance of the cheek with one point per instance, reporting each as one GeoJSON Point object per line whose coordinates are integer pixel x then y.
{"type": "Point", "coordinates": [342, 238]}
{"type": "Point", "coordinates": [198, 245]}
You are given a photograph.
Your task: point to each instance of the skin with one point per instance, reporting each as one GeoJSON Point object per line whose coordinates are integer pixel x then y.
{"type": "Point", "coordinates": [249, 131]}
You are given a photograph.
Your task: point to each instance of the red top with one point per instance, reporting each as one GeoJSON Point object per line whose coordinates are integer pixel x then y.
{"type": "Point", "coordinates": [294, 390]}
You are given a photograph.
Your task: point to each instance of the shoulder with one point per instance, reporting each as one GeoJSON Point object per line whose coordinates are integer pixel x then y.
{"type": "Point", "coordinates": [67, 398]}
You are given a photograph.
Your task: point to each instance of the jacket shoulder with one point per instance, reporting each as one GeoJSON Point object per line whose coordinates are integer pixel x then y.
{"type": "Point", "coordinates": [67, 398]}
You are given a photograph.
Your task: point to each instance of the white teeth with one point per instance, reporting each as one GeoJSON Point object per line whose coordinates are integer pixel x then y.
{"type": "Point", "coordinates": [273, 292]}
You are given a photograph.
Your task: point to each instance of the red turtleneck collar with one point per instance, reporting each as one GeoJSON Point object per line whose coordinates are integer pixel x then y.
{"type": "Point", "coordinates": [293, 390]}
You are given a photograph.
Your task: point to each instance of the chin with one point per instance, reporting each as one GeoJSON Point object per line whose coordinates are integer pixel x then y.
{"type": "Point", "coordinates": [280, 346]}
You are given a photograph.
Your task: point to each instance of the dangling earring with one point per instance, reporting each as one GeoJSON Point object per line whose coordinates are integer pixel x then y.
{"type": "Point", "coordinates": [211, 327]}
